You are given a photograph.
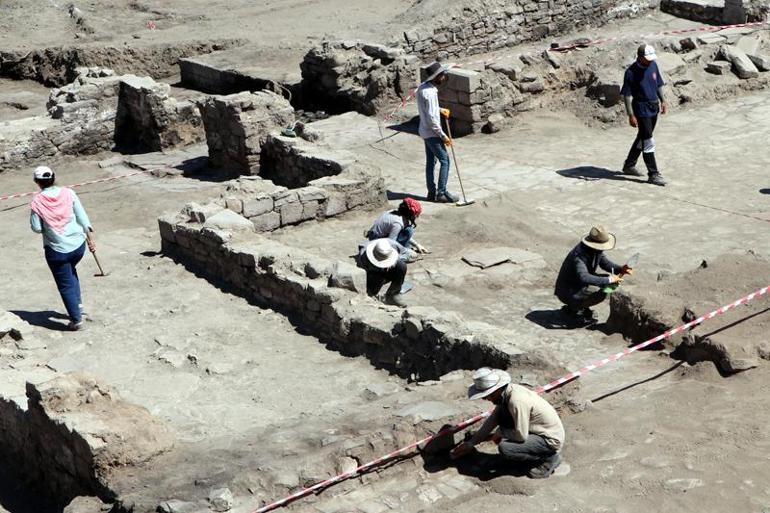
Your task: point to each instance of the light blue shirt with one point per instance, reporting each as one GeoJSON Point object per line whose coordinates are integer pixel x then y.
{"type": "Point", "coordinates": [74, 233]}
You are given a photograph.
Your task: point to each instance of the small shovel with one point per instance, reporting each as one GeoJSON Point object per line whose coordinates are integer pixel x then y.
{"type": "Point", "coordinates": [609, 289]}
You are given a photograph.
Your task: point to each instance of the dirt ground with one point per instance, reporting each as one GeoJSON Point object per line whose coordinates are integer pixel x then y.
{"type": "Point", "coordinates": [248, 392]}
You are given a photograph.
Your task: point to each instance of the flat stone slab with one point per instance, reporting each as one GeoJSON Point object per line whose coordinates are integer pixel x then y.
{"type": "Point", "coordinates": [485, 258]}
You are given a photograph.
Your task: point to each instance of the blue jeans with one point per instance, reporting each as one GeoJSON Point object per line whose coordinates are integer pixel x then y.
{"type": "Point", "coordinates": [435, 149]}
{"type": "Point", "coordinates": [62, 267]}
{"type": "Point", "coordinates": [405, 236]}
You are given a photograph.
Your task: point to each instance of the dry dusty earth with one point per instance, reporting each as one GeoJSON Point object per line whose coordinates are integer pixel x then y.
{"type": "Point", "coordinates": [245, 390]}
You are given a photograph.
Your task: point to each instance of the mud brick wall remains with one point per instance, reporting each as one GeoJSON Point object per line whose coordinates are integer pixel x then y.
{"type": "Point", "coordinates": [236, 127]}
{"type": "Point", "coordinates": [486, 25]}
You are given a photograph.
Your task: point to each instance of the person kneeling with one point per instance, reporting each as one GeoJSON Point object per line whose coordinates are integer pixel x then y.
{"type": "Point", "coordinates": [399, 225]}
{"type": "Point", "coordinates": [578, 285]}
{"type": "Point", "coordinates": [381, 260]}
{"type": "Point", "coordinates": [529, 431]}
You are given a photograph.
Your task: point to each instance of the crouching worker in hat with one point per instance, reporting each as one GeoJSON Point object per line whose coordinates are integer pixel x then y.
{"type": "Point", "coordinates": [381, 259]}
{"type": "Point", "coordinates": [399, 225]}
{"type": "Point", "coordinates": [528, 429]}
{"type": "Point", "coordinates": [578, 285]}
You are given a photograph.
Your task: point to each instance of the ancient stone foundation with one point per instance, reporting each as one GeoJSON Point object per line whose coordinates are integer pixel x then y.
{"type": "Point", "coordinates": [479, 26]}
{"type": "Point", "coordinates": [328, 297]}
{"type": "Point", "coordinates": [149, 120]}
{"type": "Point", "coordinates": [236, 127]}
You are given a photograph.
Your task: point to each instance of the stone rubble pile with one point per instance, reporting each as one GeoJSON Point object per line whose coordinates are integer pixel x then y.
{"type": "Point", "coordinates": [347, 75]}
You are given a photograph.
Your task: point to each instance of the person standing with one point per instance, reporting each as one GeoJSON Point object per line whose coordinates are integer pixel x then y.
{"type": "Point", "coordinates": [60, 217]}
{"type": "Point", "coordinates": [433, 135]}
{"type": "Point", "coordinates": [643, 96]}
{"type": "Point", "coordinates": [528, 429]}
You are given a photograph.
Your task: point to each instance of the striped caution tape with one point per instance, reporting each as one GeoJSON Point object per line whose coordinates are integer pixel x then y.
{"type": "Point", "coordinates": [404, 451]}
{"type": "Point", "coordinates": [90, 182]}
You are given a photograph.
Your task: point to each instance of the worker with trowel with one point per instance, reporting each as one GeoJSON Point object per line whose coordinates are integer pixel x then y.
{"type": "Point", "coordinates": [579, 286]}
{"type": "Point", "coordinates": [399, 225]}
{"type": "Point", "coordinates": [528, 429]}
{"type": "Point", "coordinates": [643, 95]}
{"type": "Point", "coordinates": [433, 135]}
{"type": "Point", "coordinates": [59, 216]}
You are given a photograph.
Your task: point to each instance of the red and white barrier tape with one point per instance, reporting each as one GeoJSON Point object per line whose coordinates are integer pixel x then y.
{"type": "Point", "coordinates": [540, 390]}
{"type": "Point", "coordinates": [101, 180]}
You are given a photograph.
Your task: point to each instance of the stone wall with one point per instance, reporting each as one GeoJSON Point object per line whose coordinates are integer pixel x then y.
{"type": "Point", "coordinates": [479, 26]}
{"type": "Point", "coordinates": [726, 12]}
{"type": "Point", "coordinates": [329, 298]}
{"type": "Point", "coordinates": [236, 127]}
{"type": "Point", "coordinates": [149, 120]}
{"type": "Point", "coordinates": [347, 75]}
{"type": "Point", "coordinates": [294, 162]}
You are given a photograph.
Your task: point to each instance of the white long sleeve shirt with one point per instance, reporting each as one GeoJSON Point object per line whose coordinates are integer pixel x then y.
{"type": "Point", "coordinates": [430, 115]}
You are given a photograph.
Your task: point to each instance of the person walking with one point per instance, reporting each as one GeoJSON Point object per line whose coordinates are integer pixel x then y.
{"type": "Point", "coordinates": [60, 217]}
{"type": "Point", "coordinates": [433, 135]}
{"type": "Point", "coordinates": [643, 96]}
{"type": "Point", "coordinates": [527, 429]}
{"type": "Point", "coordinates": [578, 285]}
{"type": "Point", "coordinates": [399, 225]}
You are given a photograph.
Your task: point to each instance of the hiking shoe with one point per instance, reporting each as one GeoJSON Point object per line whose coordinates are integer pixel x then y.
{"type": "Point", "coordinates": [76, 326]}
{"type": "Point", "coordinates": [632, 170]}
{"type": "Point", "coordinates": [446, 197]}
{"type": "Point", "coordinates": [395, 300]}
{"type": "Point", "coordinates": [432, 196]}
{"type": "Point", "coordinates": [656, 179]}
{"type": "Point", "coordinates": [589, 314]}
{"type": "Point", "coordinates": [577, 319]}
{"type": "Point", "coordinates": [546, 468]}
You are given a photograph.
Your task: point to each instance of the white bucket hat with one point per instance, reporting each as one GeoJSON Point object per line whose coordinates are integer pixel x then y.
{"type": "Point", "coordinates": [42, 173]}
{"type": "Point", "coordinates": [381, 253]}
{"type": "Point", "coordinates": [486, 381]}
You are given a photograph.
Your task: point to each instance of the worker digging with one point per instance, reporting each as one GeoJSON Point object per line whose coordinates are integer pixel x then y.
{"type": "Point", "coordinates": [399, 225]}
{"type": "Point", "coordinates": [526, 428]}
{"type": "Point", "coordinates": [434, 138]}
{"type": "Point", "coordinates": [578, 285]}
{"type": "Point", "coordinates": [643, 97]}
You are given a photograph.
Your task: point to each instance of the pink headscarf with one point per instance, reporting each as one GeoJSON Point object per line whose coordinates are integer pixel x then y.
{"type": "Point", "coordinates": [55, 211]}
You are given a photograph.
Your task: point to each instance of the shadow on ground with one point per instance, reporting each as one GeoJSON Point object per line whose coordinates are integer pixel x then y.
{"type": "Point", "coordinates": [43, 319]}
{"type": "Point", "coordinates": [597, 173]}
{"type": "Point", "coordinates": [393, 195]}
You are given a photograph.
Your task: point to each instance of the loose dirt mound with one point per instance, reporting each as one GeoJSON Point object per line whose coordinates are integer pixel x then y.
{"type": "Point", "coordinates": [733, 341]}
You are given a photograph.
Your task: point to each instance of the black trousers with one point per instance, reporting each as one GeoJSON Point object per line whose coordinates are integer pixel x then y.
{"type": "Point", "coordinates": [376, 278]}
{"type": "Point", "coordinates": [645, 129]}
{"type": "Point", "coordinates": [584, 298]}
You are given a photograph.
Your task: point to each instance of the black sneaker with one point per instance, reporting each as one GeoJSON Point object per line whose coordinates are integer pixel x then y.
{"type": "Point", "coordinates": [446, 197]}
{"type": "Point", "coordinates": [431, 196]}
{"type": "Point", "coordinates": [656, 179]}
{"type": "Point", "coordinates": [632, 170]}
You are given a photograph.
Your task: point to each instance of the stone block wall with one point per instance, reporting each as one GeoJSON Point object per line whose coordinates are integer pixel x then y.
{"type": "Point", "coordinates": [148, 119]}
{"type": "Point", "coordinates": [236, 127]}
{"type": "Point", "coordinates": [294, 162]}
{"type": "Point", "coordinates": [328, 297]}
{"type": "Point", "coordinates": [347, 75]}
{"type": "Point", "coordinates": [208, 78]}
{"type": "Point", "coordinates": [727, 12]}
{"type": "Point", "coordinates": [479, 26]}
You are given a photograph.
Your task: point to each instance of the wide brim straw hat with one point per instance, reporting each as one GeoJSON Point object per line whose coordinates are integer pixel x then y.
{"type": "Point", "coordinates": [599, 238]}
{"type": "Point", "coordinates": [435, 69]}
{"type": "Point", "coordinates": [381, 253]}
{"type": "Point", "coordinates": [486, 381]}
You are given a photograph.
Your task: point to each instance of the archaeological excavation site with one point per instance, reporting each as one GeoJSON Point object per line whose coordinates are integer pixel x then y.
{"type": "Point", "coordinates": [292, 256]}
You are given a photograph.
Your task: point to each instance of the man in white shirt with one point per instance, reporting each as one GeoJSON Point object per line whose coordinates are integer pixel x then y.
{"type": "Point", "coordinates": [433, 135]}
